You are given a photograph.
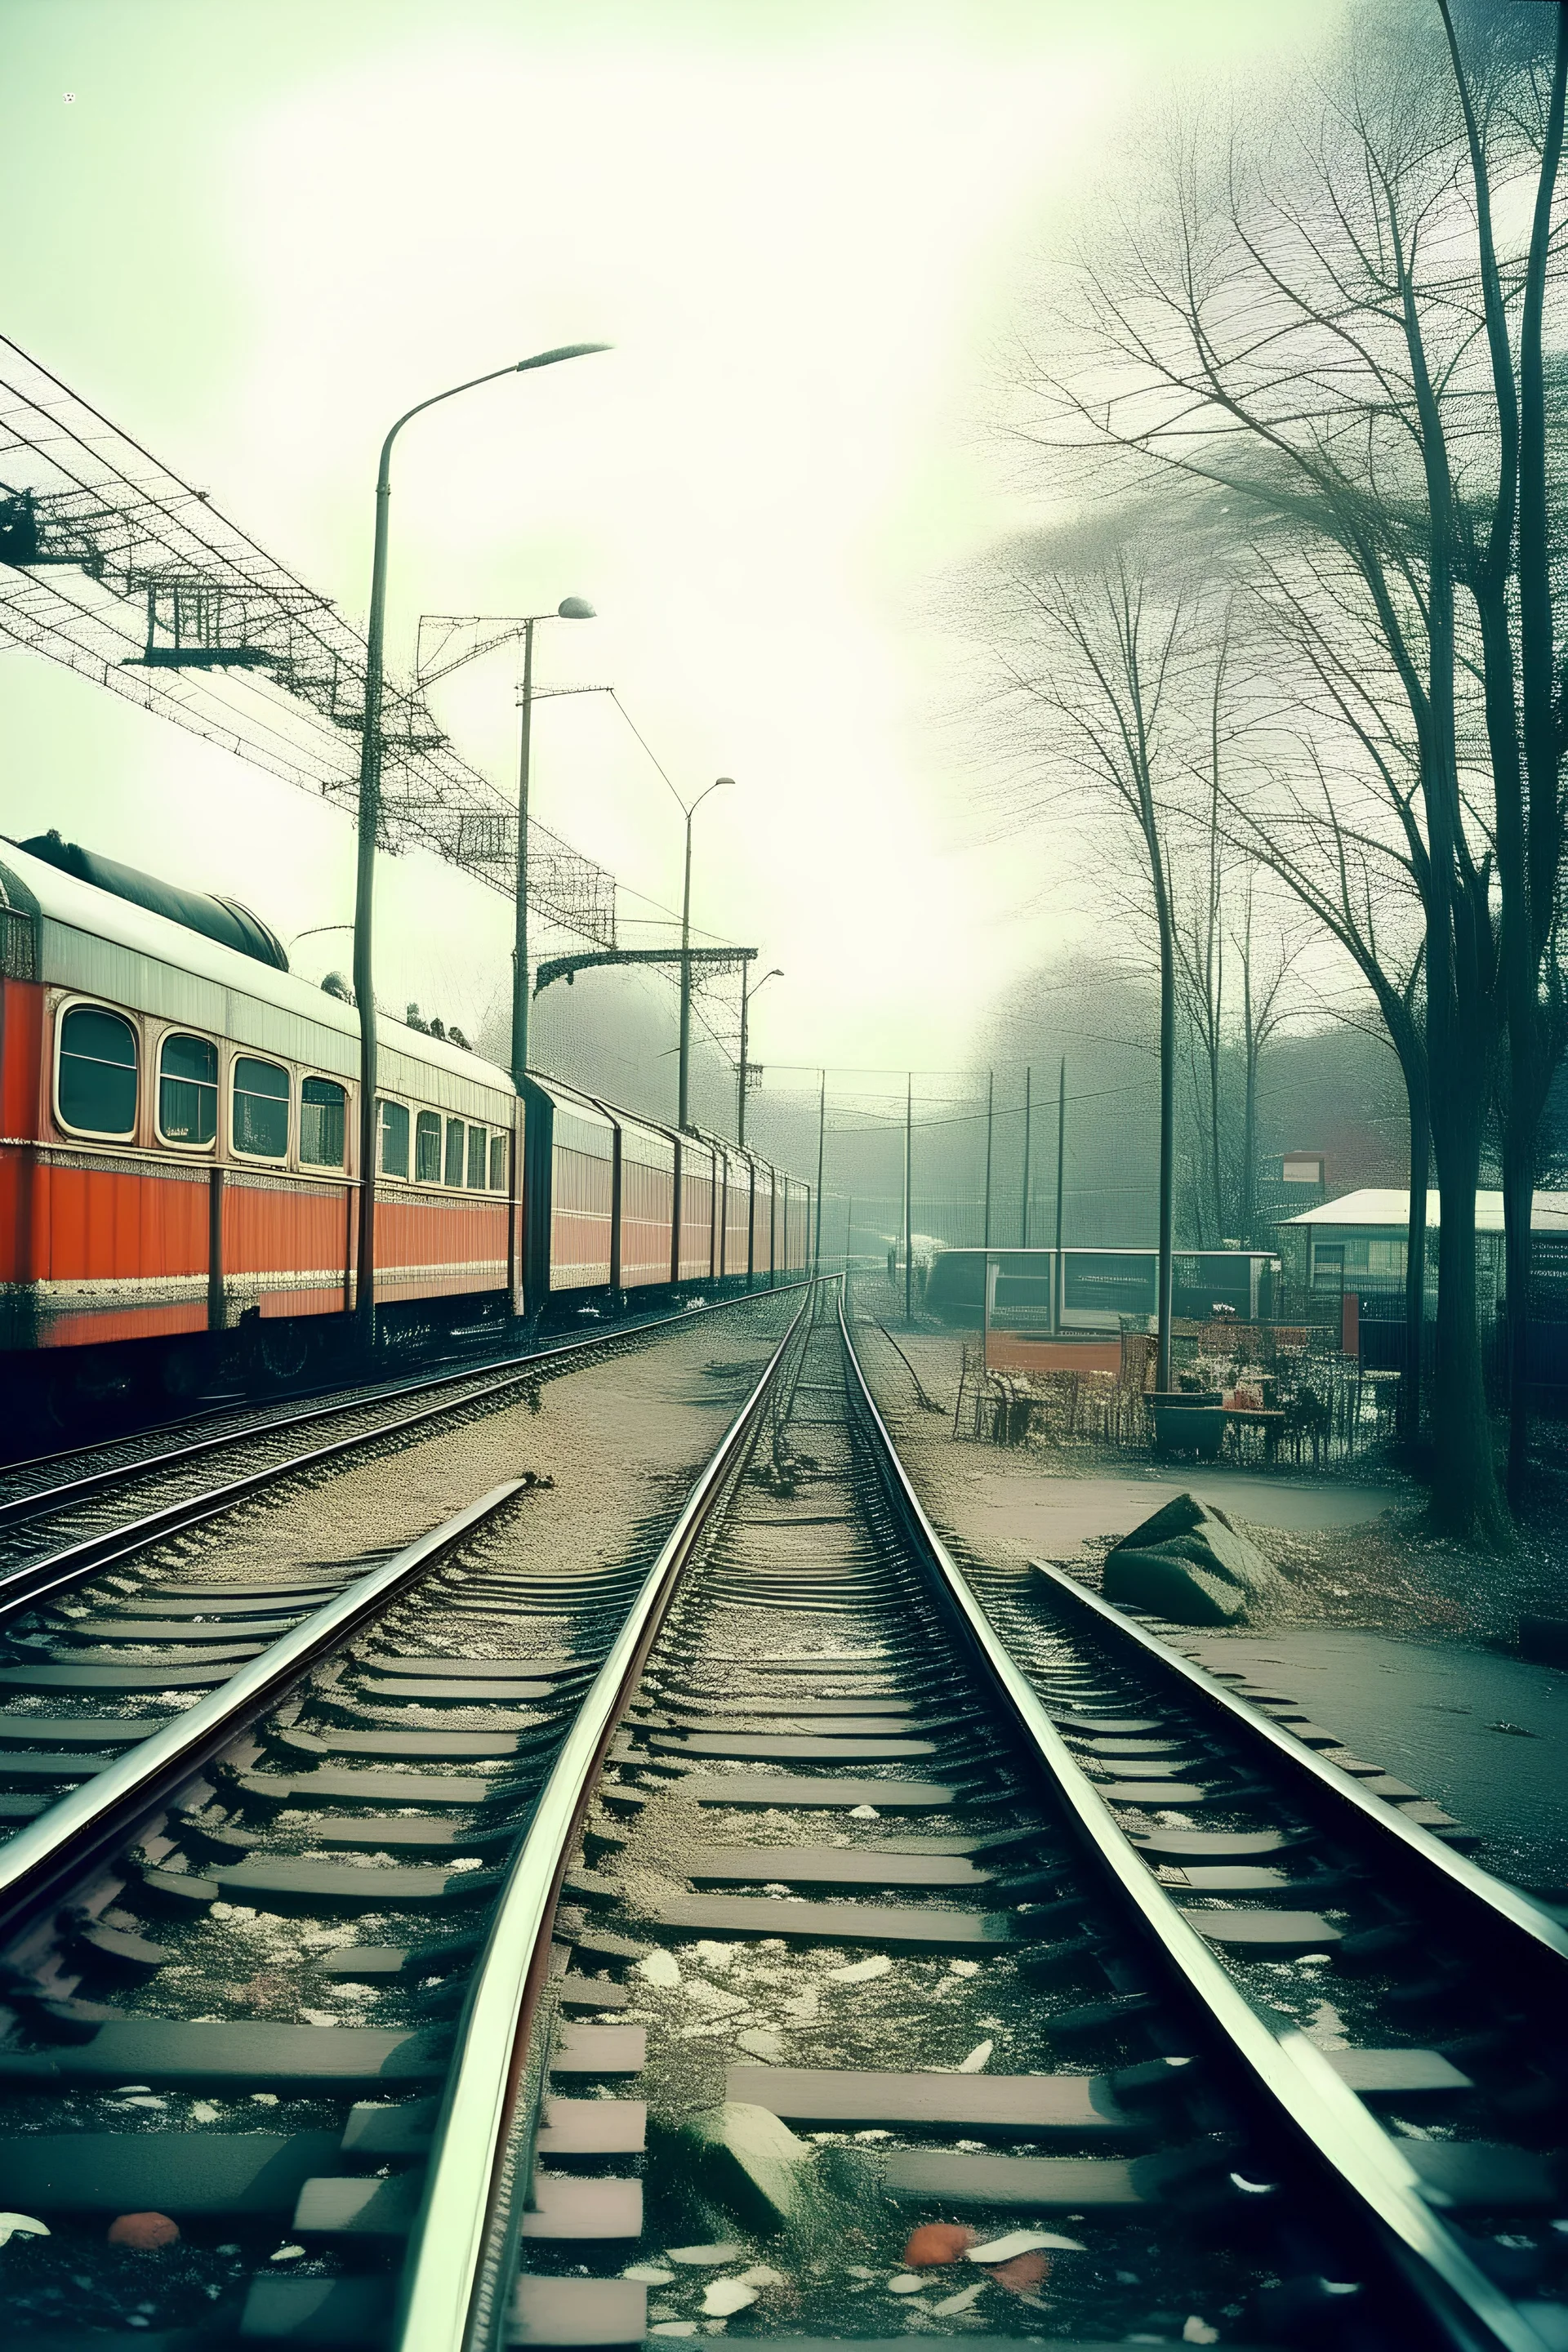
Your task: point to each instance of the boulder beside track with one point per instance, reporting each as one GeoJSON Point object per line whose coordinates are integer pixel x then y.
{"type": "Point", "coordinates": [1188, 1563]}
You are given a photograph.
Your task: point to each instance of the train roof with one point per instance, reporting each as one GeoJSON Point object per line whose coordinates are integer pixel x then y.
{"type": "Point", "coordinates": [560, 1096]}
{"type": "Point", "coordinates": [78, 906]}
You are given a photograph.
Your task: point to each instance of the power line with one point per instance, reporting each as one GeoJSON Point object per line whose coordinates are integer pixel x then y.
{"type": "Point", "coordinates": [118, 568]}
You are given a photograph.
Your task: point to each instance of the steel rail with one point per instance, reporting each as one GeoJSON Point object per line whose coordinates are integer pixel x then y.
{"type": "Point", "coordinates": [457, 2272]}
{"type": "Point", "coordinates": [41, 1502]}
{"type": "Point", "coordinates": [1310, 2103]}
{"type": "Point", "coordinates": [91, 1823]}
{"type": "Point", "coordinates": [1492, 1902]}
{"type": "Point", "coordinates": [24, 1587]}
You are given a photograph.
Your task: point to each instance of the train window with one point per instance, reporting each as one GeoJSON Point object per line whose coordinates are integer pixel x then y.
{"type": "Point", "coordinates": [187, 1090]}
{"type": "Point", "coordinates": [260, 1108]}
{"type": "Point", "coordinates": [96, 1089]}
{"type": "Point", "coordinates": [499, 1161]}
{"type": "Point", "coordinates": [427, 1148]}
{"type": "Point", "coordinates": [454, 1152]}
{"type": "Point", "coordinates": [479, 1143]}
{"type": "Point", "coordinates": [324, 1123]}
{"type": "Point", "coordinates": [394, 1139]}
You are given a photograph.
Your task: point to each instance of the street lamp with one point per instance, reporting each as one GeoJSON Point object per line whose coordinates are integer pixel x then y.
{"type": "Point", "coordinates": [746, 995]}
{"type": "Point", "coordinates": [370, 819]}
{"type": "Point", "coordinates": [571, 608]}
{"type": "Point", "coordinates": [681, 1120]}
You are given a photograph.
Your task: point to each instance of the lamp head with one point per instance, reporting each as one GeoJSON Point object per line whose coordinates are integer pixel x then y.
{"type": "Point", "coordinates": [721, 780]}
{"type": "Point", "coordinates": [576, 608]}
{"type": "Point", "coordinates": [560, 352]}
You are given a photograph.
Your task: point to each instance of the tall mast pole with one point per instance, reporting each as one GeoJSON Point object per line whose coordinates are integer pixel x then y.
{"type": "Point", "coordinates": [740, 1091]}
{"type": "Point", "coordinates": [821, 1142]}
{"type": "Point", "coordinates": [364, 903]}
{"type": "Point", "coordinates": [520, 939]}
{"type": "Point", "coordinates": [685, 1062]}
{"type": "Point", "coordinates": [371, 748]}
{"type": "Point", "coordinates": [1058, 1272]}
{"type": "Point", "coordinates": [909, 1204]}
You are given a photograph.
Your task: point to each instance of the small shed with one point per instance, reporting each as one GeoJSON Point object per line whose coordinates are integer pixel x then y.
{"type": "Point", "coordinates": [1358, 1242]}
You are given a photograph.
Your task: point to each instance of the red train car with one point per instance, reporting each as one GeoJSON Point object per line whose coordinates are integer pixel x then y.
{"type": "Point", "coordinates": [179, 1186]}
{"type": "Point", "coordinates": [178, 1157]}
{"type": "Point", "coordinates": [797, 1220]}
{"type": "Point", "coordinates": [644, 1197]}
{"type": "Point", "coordinates": [735, 1221]}
{"type": "Point", "coordinates": [762, 1243]}
{"type": "Point", "coordinates": [695, 1261]}
{"type": "Point", "coordinates": [570, 1188]}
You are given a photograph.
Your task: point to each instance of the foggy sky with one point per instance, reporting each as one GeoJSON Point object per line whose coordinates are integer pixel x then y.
{"type": "Point", "coordinates": [259, 230]}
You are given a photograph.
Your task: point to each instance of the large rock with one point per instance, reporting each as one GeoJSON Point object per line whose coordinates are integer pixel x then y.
{"type": "Point", "coordinates": [1188, 1563]}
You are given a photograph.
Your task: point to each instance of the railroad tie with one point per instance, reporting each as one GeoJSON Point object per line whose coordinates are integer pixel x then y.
{"type": "Point", "coordinates": [784, 1788]}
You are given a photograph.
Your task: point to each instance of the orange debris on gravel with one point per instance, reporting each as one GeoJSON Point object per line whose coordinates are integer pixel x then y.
{"type": "Point", "coordinates": [147, 2231]}
{"type": "Point", "coordinates": [937, 2241]}
{"type": "Point", "coordinates": [1024, 2272]}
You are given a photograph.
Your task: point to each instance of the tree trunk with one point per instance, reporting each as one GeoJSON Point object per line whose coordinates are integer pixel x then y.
{"type": "Point", "coordinates": [1518, 1207]}
{"type": "Point", "coordinates": [1465, 1500]}
{"type": "Point", "coordinates": [1216, 1172]}
{"type": "Point", "coordinates": [1528, 826]}
{"type": "Point", "coordinates": [1252, 1046]}
{"type": "Point", "coordinates": [1167, 1104]}
{"type": "Point", "coordinates": [1416, 1263]}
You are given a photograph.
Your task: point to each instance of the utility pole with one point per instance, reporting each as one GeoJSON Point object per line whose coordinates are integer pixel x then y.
{"type": "Point", "coordinates": [1059, 1271]}
{"type": "Point", "coordinates": [821, 1142]}
{"type": "Point", "coordinates": [519, 941]}
{"type": "Point", "coordinates": [1024, 1239]}
{"type": "Point", "coordinates": [488, 631]}
{"type": "Point", "coordinates": [746, 996]}
{"type": "Point", "coordinates": [989, 1106]}
{"type": "Point", "coordinates": [909, 1204]}
{"type": "Point", "coordinates": [683, 1067]}
{"type": "Point", "coordinates": [684, 1071]}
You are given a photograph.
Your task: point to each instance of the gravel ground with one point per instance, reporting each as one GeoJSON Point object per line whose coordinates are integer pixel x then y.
{"type": "Point", "coordinates": [607, 1443]}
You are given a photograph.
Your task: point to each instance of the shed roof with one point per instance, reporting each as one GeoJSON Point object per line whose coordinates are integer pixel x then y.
{"type": "Point", "coordinates": [1383, 1210]}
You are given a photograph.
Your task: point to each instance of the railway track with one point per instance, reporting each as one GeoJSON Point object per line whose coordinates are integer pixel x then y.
{"type": "Point", "coordinates": [31, 1477]}
{"type": "Point", "coordinates": [221, 1948]}
{"type": "Point", "coordinates": [816, 1970]}
{"type": "Point", "coordinates": [64, 1517]}
{"type": "Point", "coordinates": [914, 1999]}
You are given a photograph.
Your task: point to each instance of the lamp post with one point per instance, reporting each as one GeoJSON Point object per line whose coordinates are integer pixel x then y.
{"type": "Point", "coordinates": [821, 1148]}
{"type": "Point", "coordinates": [746, 996]}
{"type": "Point", "coordinates": [370, 819]}
{"type": "Point", "coordinates": [681, 1118]}
{"type": "Point", "coordinates": [571, 608]}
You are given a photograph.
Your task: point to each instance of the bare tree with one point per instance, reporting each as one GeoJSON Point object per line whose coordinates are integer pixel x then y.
{"type": "Point", "coordinates": [1200, 943]}
{"type": "Point", "coordinates": [1305, 312]}
{"type": "Point", "coordinates": [1265, 1007]}
{"type": "Point", "coordinates": [1360, 890]}
{"type": "Point", "coordinates": [1507, 562]}
{"type": "Point", "coordinates": [1333, 813]}
{"type": "Point", "coordinates": [1232, 991]}
{"type": "Point", "coordinates": [1105, 659]}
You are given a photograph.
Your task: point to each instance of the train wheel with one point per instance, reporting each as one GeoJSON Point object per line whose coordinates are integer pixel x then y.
{"type": "Point", "coordinates": [282, 1350]}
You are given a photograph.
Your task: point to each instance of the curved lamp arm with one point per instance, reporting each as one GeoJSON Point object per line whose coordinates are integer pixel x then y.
{"type": "Point", "coordinates": [519, 367]}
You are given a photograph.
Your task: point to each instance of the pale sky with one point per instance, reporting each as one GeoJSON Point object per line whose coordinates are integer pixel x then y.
{"type": "Point", "coordinates": [263, 227]}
